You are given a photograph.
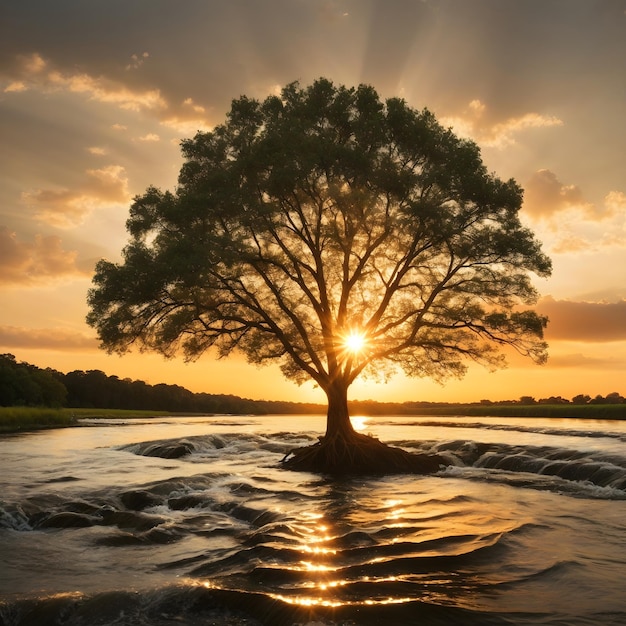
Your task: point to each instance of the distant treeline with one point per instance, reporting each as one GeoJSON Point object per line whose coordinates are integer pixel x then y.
{"type": "Point", "coordinates": [22, 384]}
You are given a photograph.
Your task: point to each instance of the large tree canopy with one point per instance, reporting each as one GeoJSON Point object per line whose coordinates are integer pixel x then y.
{"type": "Point", "coordinates": [320, 216]}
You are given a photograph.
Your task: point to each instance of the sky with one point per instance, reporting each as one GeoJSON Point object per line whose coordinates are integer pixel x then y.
{"type": "Point", "coordinates": [96, 96]}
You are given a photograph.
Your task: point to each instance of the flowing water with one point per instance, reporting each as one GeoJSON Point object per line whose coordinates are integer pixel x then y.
{"type": "Point", "coordinates": [191, 521]}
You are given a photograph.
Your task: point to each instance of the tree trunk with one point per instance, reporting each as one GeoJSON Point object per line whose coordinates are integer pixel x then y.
{"type": "Point", "coordinates": [343, 451]}
{"type": "Point", "coordinates": [338, 424]}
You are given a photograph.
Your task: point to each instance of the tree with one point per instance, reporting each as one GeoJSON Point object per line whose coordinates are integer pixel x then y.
{"type": "Point", "coordinates": [527, 400]}
{"type": "Point", "coordinates": [333, 233]}
{"type": "Point", "coordinates": [28, 385]}
{"type": "Point", "coordinates": [599, 399]}
{"type": "Point", "coordinates": [614, 398]}
{"type": "Point", "coordinates": [551, 400]}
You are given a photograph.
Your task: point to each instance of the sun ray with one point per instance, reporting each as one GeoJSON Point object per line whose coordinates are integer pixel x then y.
{"type": "Point", "coordinates": [355, 341]}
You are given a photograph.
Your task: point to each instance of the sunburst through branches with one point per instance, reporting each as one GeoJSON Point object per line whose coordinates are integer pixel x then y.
{"type": "Point", "coordinates": [355, 342]}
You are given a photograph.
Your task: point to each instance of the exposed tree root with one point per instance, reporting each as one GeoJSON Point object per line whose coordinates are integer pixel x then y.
{"type": "Point", "coordinates": [359, 455]}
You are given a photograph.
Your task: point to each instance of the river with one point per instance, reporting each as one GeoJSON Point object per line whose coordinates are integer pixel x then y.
{"type": "Point", "coordinates": [192, 521]}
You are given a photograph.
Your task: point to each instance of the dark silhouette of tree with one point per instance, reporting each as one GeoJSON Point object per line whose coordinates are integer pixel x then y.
{"type": "Point", "coordinates": [611, 398]}
{"type": "Point", "coordinates": [599, 399]}
{"type": "Point", "coordinates": [553, 400]}
{"type": "Point", "coordinates": [333, 233]}
{"type": "Point", "coordinates": [614, 398]}
{"type": "Point", "coordinates": [23, 384]}
{"type": "Point", "coordinates": [581, 398]}
{"type": "Point", "coordinates": [527, 400]}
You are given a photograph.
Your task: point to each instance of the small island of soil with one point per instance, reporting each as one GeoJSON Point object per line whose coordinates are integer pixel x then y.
{"type": "Point", "coordinates": [359, 455]}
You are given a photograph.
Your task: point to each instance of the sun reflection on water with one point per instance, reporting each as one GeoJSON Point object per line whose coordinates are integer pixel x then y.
{"type": "Point", "coordinates": [306, 601]}
{"type": "Point", "coordinates": [321, 549]}
{"type": "Point", "coordinates": [354, 545]}
{"type": "Point", "coordinates": [359, 422]}
{"type": "Point", "coordinates": [309, 601]}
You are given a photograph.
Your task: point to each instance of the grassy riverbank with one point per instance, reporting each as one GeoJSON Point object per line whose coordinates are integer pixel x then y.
{"type": "Point", "coordinates": [580, 411]}
{"type": "Point", "coordinates": [16, 419]}
{"type": "Point", "coordinates": [21, 418]}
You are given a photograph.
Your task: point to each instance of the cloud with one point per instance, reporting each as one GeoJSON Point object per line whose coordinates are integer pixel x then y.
{"type": "Point", "coordinates": [16, 87]}
{"type": "Point", "coordinates": [32, 63]}
{"type": "Point", "coordinates": [105, 90]}
{"type": "Point", "coordinates": [592, 322]}
{"type": "Point", "coordinates": [196, 108]}
{"type": "Point", "coordinates": [583, 361]}
{"type": "Point", "coordinates": [568, 243]}
{"type": "Point", "coordinates": [546, 195]}
{"type": "Point", "coordinates": [615, 202]}
{"type": "Point", "coordinates": [188, 120]}
{"type": "Point", "coordinates": [34, 263]}
{"type": "Point", "coordinates": [503, 134]}
{"type": "Point", "coordinates": [64, 208]}
{"type": "Point", "coordinates": [136, 61]}
{"type": "Point", "coordinates": [474, 123]}
{"type": "Point", "coordinates": [186, 127]}
{"type": "Point", "coordinates": [150, 137]}
{"type": "Point", "coordinates": [33, 72]}
{"type": "Point", "coordinates": [45, 339]}
{"type": "Point", "coordinates": [573, 224]}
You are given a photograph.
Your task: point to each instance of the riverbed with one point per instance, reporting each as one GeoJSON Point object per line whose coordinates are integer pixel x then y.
{"type": "Point", "coordinates": [192, 521]}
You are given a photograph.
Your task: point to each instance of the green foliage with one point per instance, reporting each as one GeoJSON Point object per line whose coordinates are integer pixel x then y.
{"type": "Point", "coordinates": [315, 213]}
{"type": "Point", "coordinates": [93, 391]}
{"type": "Point", "coordinates": [15, 418]}
{"type": "Point", "coordinates": [22, 384]}
{"type": "Point", "coordinates": [588, 411]}
{"type": "Point", "coordinates": [18, 418]}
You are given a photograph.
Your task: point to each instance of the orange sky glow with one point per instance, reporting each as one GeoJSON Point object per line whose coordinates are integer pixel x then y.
{"type": "Point", "coordinates": [95, 98]}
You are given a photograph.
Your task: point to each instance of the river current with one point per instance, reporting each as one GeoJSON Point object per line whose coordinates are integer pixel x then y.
{"type": "Point", "coordinates": [192, 521]}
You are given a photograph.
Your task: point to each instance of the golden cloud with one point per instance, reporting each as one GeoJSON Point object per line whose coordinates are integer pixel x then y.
{"type": "Point", "coordinates": [572, 224]}
{"type": "Point", "coordinates": [195, 107]}
{"type": "Point", "coordinates": [150, 137]}
{"type": "Point", "coordinates": [583, 361]}
{"type": "Point", "coordinates": [502, 135]}
{"type": "Point", "coordinates": [65, 208]}
{"type": "Point", "coordinates": [34, 263]}
{"type": "Point", "coordinates": [546, 195]}
{"type": "Point", "coordinates": [45, 339]}
{"type": "Point", "coordinates": [104, 90]}
{"type": "Point", "coordinates": [186, 127]}
{"type": "Point", "coordinates": [34, 72]}
{"type": "Point", "coordinates": [32, 63]}
{"type": "Point", "coordinates": [472, 124]}
{"type": "Point", "coordinates": [108, 184]}
{"type": "Point", "coordinates": [136, 61]}
{"type": "Point", "coordinates": [569, 243]}
{"type": "Point", "coordinates": [590, 322]}
{"type": "Point", "coordinates": [15, 87]}
{"type": "Point", "coordinates": [615, 202]}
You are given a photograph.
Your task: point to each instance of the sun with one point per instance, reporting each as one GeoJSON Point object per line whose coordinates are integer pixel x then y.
{"type": "Point", "coordinates": [355, 341]}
